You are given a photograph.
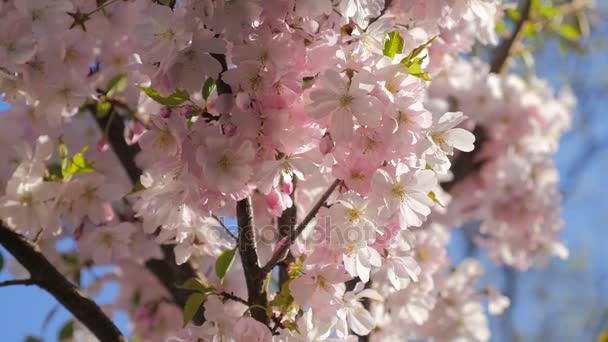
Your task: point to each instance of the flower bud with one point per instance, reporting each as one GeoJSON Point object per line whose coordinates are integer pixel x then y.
{"type": "Point", "coordinates": [287, 187]}
{"type": "Point", "coordinates": [327, 144]}
{"type": "Point", "coordinates": [102, 145]}
{"type": "Point", "coordinates": [165, 112]}
{"type": "Point", "coordinates": [186, 110]}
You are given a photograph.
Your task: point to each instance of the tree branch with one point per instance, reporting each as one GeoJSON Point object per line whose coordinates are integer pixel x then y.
{"type": "Point", "coordinates": [47, 277]}
{"type": "Point", "coordinates": [223, 225]}
{"type": "Point", "coordinates": [503, 51]}
{"type": "Point", "coordinates": [295, 233]}
{"type": "Point", "coordinates": [126, 153]}
{"type": "Point", "coordinates": [231, 296]}
{"type": "Point", "coordinates": [466, 164]}
{"type": "Point", "coordinates": [26, 282]}
{"type": "Point", "coordinates": [166, 270]}
{"type": "Point", "coordinates": [254, 275]}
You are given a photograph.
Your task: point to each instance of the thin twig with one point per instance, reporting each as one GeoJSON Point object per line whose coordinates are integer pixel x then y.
{"type": "Point", "coordinates": [26, 282]}
{"type": "Point", "coordinates": [165, 269]}
{"type": "Point", "coordinates": [503, 51]}
{"type": "Point", "coordinates": [294, 234]}
{"type": "Point", "coordinates": [231, 296]}
{"type": "Point", "coordinates": [223, 225]}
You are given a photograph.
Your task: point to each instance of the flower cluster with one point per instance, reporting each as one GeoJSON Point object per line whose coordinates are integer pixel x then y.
{"type": "Point", "coordinates": [276, 103]}
{"type": "Point", "coordinates": [515, 193]}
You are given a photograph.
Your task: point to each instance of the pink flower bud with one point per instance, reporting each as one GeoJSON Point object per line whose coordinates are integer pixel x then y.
{"type": "Point", "coordinates": [102, 145]}
{"type": "Point", "coordinates": [273, 199]}
{"type": "Point", "coordinates": [287, 188]}
{"type": "Point", "coordinates": [165, 112]}
{"type": "Point", "coordinates": [327, 144]}
{"type": "Point", "coordinates": [186, 110]}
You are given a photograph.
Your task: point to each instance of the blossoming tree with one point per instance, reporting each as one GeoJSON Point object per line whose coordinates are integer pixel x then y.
{"type": "Point", "coordinates": [277, 170]}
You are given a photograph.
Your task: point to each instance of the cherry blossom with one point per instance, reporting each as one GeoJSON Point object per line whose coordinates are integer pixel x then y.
{"type": "Point", "coordinates": [291, 167]}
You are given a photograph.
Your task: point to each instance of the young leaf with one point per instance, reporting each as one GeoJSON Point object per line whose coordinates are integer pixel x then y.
{"type": "Point", "coordinates": [67, 331]}
{"type": "Point", "coordinates": [393, 45]}
{"type": "Point", "coordinates": [175, 99]}
{"type": "Point", "coordinates": [118, 84]}
{"type": "Point", "coordinates": [137, 187]}
{"type": "Point", "coordinates": [78, 164]}
{"type": "Point", "coordinates": [568, 32]}
{"type": "Point", "coordinates": [433, 197]}
{"type": "Point", "coordinates": [195, 284]}
{"type": "Point", "coordinates": [102, 108]}
{"type": "Point", "coordinates": [208, 88]}
{"type": "Point", "coordinates": [224, 262]}
{"type": "Point", "coordinates": [192, 304]}
{"type": "Point", "coordinates": [548, 11]}
{"type": "Point", "coordinates": [410, 58]}
{"type": "Point", "coordinates": [63, 154]}
{"type": "Point", "coordinates": [513, 14]}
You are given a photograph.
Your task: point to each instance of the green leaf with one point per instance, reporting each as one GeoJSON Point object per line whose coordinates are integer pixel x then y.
{"type": "Point", "coordinates": [224, 262]}
{"type": "Point", "coordinates": [414, 68]}
{"type": "Point", "coordinates": [192, 304]}
{"type": "Point", "coordinates": [118, 84]}
{"type": "Point", "coordinates": [32, 339]}
{"type": "Point", "coordinates": [283, 300]}
{"type": "Point", "coordinates": [63, 154]}
{"type": "Point", "coordinates": [433, 197]}
{"type": "Point", "coordinates": [102, 108]}
{"type": "Point", "coordinates": [195, 284]}
{"type": "Point", "coordinates": [513, 14]}
{"type": "Point", "coordinates": [175, 99]}
{"type": "Point", "coordinates": [67, 331]}
{"type": "Point", "coordinates": [548, 11]}
{"type": "Point", "coordinates": [568, 32]}
{"type": "Point", "coordinates": [412, 56]}
{"type": "Point", "coordinates": [78, 164]}
{"type": "Point", "coordinates": [501, 28]}
{"type": "Point", "coordinates": [208, 88]}
{"type": "Point", "coordinates": [137, 187]}
{"type": "Point", "coordinates": [53, 173]}
{"type": "Point", "coordinates": [393, 45]}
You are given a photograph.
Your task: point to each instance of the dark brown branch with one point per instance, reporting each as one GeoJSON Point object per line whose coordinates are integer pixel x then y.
{"type": "Point", "coordinates": [47, 277]}
{"type": "Point", "coordinates": [166, 270]}
{"type": "Point", "coordinates": [504, 50]}
{"type": "Point", "coordinates": [231, 296]}
{"type": "Point", "coordinates": [467, 164]}
{"type": "Point", "coordinates": [13, 282]}
{"type": "Point", "coordinates": [295, 233]}
{"type": "Point", "coordinates": [170, 274]}
{"type": "Point", "coordinates": [254, 276]}
{"type": "Point", "coordinates": [126, 153]}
